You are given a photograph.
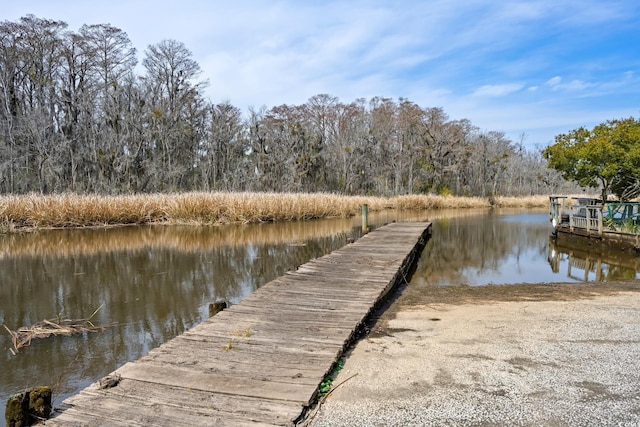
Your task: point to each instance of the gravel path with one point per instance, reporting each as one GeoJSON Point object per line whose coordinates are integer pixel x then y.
{"type": "Point", "coordinates": [530, 362]}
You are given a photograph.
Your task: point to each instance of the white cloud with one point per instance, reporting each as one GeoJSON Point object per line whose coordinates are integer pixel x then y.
{"type": "Point", "coordinates": [554, 82]}
{"type": "Point", "coordinates": [498, 90]}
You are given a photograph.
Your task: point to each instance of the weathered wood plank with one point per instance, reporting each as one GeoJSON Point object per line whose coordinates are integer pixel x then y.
{"type": "Point", "coordinates": [263, 349]}
{"type": "Point", "coordinates": [289, 314]}
{"type": "Point", "coordinates": [237, 324]}
{"type": "Point", "coordinates": [257, 410]}
{"type": "Point", "coordinates": [265, 388]}
{"type": "Point", "coordinates": [259, 336]}
{"type": "Point", "coordinates": [243, 367]}
{"type": "Point", "coordinates": [250, 356]}
{"type": "Point", "coordinates": [303, 305]}
{"type": "Point", "coordinates": [301, 321]}
{"type": "Point", "coordinates": [276, 346]}
{"type": "Point", "coordinates": [141, 405]}
{"type": "Point", "coordinates": [258, 362]}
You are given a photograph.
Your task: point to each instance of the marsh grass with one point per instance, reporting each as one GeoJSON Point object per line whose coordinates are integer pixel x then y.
{"type": "Point", "coordinates": [521, 202]}
{"type": "Point", "coordinates": [34, 211]}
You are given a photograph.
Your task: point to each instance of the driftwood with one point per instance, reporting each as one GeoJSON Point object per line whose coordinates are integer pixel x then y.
{"type": "Point", "coordinates": [22, 337]}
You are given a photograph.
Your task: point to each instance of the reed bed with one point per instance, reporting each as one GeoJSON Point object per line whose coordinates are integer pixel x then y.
{"type": "Point", "coordinates": [521, 202]}
{"type": "Point", "coordinates": [430, 201]}
{"type": "Point", "coordinates": [34, 211]}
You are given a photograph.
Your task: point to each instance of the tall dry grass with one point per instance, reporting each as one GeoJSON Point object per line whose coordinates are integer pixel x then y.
{"type": "Point", "coordinates": [521, 202]}
{"type": "Point", "coordinates": [72, 210]}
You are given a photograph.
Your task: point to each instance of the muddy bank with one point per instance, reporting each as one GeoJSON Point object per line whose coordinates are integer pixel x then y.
{"type": "Point", "coordinates": [418, 295]}
{"type": "Point", "coordinates": [498, 355]}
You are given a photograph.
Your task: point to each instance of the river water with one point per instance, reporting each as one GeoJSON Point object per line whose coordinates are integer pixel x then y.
{"type": "Point", "coordinates": [149, 284]}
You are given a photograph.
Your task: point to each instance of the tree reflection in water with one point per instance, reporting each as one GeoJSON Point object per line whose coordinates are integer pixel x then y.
{"type": "Point", "coordinates": [509, 247]}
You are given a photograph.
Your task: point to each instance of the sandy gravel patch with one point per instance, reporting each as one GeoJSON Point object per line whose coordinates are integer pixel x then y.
{"type": "Point", "coordinates": [545, 357]}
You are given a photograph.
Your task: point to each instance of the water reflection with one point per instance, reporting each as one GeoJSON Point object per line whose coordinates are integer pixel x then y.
{"type": "Point", "coordinates": [484, 248]}
{"type": "Point", "coordinates": [66, 243]}
{"type": "Point", "coordinates": [152, 282]}
{"type": "Point", "coordinates": [579, 260]}
{"type": "Point", "coordinates": [505, 246]}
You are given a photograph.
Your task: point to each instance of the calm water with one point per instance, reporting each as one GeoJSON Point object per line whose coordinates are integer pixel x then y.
{"type": "Point", "coordinates": [153, 283]}
{"type": "Point", "coordinates": [504, 247]}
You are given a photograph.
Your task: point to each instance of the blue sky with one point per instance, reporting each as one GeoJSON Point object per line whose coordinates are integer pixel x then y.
{"type": "Point", "coordinates": [531, 69]}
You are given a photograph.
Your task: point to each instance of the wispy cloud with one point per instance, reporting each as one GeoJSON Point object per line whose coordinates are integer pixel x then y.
{"type": "Point", "coordinates": [556, 84]}
{"type": "Point", "coordinates": [498, 90]}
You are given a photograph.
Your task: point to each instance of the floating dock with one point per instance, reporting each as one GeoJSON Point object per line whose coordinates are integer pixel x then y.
{"type": "Point", "coordinates": [258, 362]}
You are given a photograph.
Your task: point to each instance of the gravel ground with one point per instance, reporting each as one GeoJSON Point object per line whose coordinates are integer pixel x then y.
{"type": "Point", "coordinates": [555, 356]}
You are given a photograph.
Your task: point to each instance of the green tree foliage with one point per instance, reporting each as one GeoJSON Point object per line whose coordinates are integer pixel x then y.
{"type": "Point", "coordinates": [626, 135]}
{"type": "Point", "coordinates": [608, 155]}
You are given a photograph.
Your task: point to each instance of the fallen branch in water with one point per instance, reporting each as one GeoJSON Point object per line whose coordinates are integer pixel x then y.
{"type": "Point", "coordinates": [53, 327]}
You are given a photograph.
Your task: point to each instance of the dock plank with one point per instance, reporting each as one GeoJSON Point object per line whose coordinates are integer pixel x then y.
{"type": "Point", "coordinates": [227, 407]}
{"type": "Point", "coordinates": [137, 404]}
{"type": "Point", "coordinates": [197, 379]}
{"type": "Point", "coordinates": [258, 362]}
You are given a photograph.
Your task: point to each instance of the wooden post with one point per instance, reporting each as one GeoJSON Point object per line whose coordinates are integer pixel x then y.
{"type": "Point", "coordinates": [28, 407]}
{"type": "Point", "coordinates": [216, 307]}
{"type": "Point", "coordinates": [571, 220]}
{"type": "Point", "coordinates": [600, 222]}
{"type": "Point", "coordinates": [365, 219]}
{"type": "Point", "coordinates": [586, 269]}
{"type": "Point", "coordinates": [588, 219]}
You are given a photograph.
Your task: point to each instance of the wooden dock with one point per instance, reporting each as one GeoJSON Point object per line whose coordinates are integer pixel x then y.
{"type": "Point", "coordinates": [614, 225]}
{"type": "Point", "coordinates": [259, 362]}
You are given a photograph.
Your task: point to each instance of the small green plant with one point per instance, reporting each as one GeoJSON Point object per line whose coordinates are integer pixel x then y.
{"type": "Point", "coordinates": [626, 226]}
{"type": "Point", "coordinates": [444, 191]}
{"type": "Point", "coordinates": [630, 226]}
{"type": "Point", "coordinates": [228, 346]}
{"type": "Point", "coordinates": [327, 382]}
{"type": "Point", "coordinates": [325, 386]}
{"type": "Point", "coordinates": [609, 223]}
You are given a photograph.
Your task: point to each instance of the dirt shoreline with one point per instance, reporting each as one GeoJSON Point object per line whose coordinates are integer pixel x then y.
{"type": "Point", "coordinates": [526, 355]}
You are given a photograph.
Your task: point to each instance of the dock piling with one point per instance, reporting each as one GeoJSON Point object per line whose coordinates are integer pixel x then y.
{"type": "Point", "coordinates": [365, 219]}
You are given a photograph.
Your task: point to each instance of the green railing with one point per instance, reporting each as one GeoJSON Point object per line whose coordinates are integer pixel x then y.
{"type": "Point", "coordinates": [623, 217]}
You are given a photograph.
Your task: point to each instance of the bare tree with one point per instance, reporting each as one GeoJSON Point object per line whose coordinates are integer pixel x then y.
{"type": "Point", "coordinates": [223, 149]}
{"type": "Point", "coordinates": [75, 116]}
{"type": "Point", "coordinates": [33, 93]}
{"type": "Point", "coordinates": [175, 104]}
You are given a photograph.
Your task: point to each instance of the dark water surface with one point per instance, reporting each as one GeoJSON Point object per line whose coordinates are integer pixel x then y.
{"type": "Point", "coordinates": [153, 283]}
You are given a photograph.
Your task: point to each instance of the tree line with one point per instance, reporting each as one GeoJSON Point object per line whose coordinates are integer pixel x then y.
{"type": "Point", "coordinates": [76, 115]}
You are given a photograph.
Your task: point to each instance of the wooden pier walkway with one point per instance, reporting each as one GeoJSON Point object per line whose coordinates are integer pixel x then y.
{"type": "Point", "coordinates": [259, 362]}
